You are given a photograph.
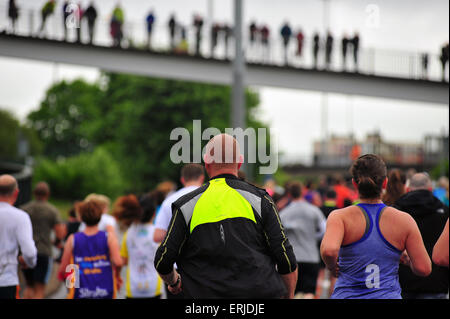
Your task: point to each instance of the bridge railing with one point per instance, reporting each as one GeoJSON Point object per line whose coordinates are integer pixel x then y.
{"type": "Point", "coordinates": [372, 61]}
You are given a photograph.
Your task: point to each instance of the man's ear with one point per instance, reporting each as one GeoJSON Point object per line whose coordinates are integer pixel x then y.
{"type": "Point", "coordinates": [241, 161]}
{"type": "Point", "coordinates": [182, 180]}
{"type": "Point", "coordinates": [15, 195]}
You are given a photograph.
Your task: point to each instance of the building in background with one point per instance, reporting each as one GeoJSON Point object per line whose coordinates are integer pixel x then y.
{"type": "Point", "coordinates": [340, 151]}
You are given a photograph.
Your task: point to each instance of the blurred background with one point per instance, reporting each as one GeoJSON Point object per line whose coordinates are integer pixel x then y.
{"type": "Point", "coordinates": [88, 97]}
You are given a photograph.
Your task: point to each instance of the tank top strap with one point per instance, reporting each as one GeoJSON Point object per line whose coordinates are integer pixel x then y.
{"type": "Point", "coordinates": [369, 226]}
{"type": "Point", "coordinates": [378, 217]}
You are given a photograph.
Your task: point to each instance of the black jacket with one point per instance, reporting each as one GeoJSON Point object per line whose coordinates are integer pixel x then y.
{"type": "Point", "coordinates": [430, 215]}
{"type": "Point", "coordinates": [228, 242]}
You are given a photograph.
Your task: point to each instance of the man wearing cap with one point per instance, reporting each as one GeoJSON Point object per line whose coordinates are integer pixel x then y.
{"type": "Point", "coordinates": [226, 236]}
{"type": "Point", "coordinates": [15, 232]}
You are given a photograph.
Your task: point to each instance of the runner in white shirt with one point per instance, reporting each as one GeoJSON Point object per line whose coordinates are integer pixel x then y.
{"type": "Point", "coordinates": [192, 177]}
{"type": "Point", "coordinates": [15, 232]}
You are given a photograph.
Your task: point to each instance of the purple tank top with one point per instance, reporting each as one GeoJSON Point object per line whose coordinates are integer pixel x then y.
{"type": "Point", "coordinates": [368, 268]}
{"type": "Point", "coordinates": [91, 255]}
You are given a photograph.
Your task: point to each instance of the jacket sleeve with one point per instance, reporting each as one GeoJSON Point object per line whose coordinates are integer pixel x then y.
{"type": "Point", "coordinates": [279, 245]}
{"type": "Point", "coordinates": [169, 250]}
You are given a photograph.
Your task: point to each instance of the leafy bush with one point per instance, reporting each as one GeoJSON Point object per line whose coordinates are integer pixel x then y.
{"type": "Point", "coordinates": [77, 176]}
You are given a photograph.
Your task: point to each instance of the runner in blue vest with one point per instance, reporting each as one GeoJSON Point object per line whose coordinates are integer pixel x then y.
{"type": "Point", "coordinates": [93, 258]}
{"type": "Point", "coordinates": [364, 244]}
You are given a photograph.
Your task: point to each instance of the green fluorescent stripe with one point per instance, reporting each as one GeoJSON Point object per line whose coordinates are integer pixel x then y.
{"type": "Point", "coordinates": [220, 202]}
{"type": "Point", "coordinates": [282, 232]}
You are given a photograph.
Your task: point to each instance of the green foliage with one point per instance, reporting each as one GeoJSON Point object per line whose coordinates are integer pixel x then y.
{"type": "Point", "coordinates": [77, 176]}
{"type": "Point", "coordinates": [131, 117]}
{"type": "Point", "coordinates": [442, 169]}
{"type": "Point", "coordinates": [11, 132]}
{"type": "Point", "coordinates": [67, 118]}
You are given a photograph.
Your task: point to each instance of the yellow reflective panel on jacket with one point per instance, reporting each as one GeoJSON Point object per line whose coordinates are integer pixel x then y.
{"type": "Point", "coordinates": [220, 202]}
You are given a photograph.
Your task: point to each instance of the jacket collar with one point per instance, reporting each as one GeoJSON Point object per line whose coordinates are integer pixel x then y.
{"type": "Point", "coordinates": [227, 176]}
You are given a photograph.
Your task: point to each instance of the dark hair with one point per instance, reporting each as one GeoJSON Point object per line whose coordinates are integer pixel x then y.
{"type": "Point", "coordinates": [127, 209]}
{"type": "Point", "coordinates": [330, 193]}
{"type": "Point", "coordinates": [395, 187]}
{"type": "Point", "coordinates": [90, 212]}
{"type": "Point", "coordinates": [348, 202]}
{"type": "Point", "coordinates": [148, 205]}
{"type": "Point", "coordinates": [41, 190]}
{"type": "Point", "coordinates": [295, 189]}
{"type": "Point", "coordinates": [192, 172]}
{"type": "Point", "coordinates": [369, 173]}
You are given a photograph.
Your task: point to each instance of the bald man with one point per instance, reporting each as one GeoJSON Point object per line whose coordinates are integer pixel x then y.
{"type": "Point", "coordinates": [44, 219]}
{"type": "Point", "coordinates": [226, 236]}
{"type": "Point", "coordinates": [15, 232]}
{"type": "Point", "coordinates": [430, 215]}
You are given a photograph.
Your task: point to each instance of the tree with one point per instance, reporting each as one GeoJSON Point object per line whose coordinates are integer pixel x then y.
{"type": "Point", "coordinates": [67, 118]}
{"type": "Point", "coordinates": [131, 117]}
{"type": "Point", "coordinates": [12, 133]}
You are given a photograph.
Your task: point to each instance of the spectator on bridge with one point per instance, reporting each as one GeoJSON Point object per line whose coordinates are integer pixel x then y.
{"type": "Point", "coordinates": [172, 30]}
{"type": "Point", "coordinates": [150, 21]}
{"type": "Point", "coordinates": [183, 46]}
{"type": "Point", "coordinates": [13, 14]}
{"type": "Point", "coordinates": [66, 13]}
{"type": "Point", "coordinates": [328, 50]}
{"type": "Point", "coordinates": [91, 16]}
{"type": "Point", "coordinates": [444, 59]}
{"type": "Point", "coordinates": [116, 24]}
{"type": "Point", "coordinates": [300, 39]}
{"type": "Point", "coordinates": [316, 48]}
{"type": "Point", "coordinates": [344, 46]}
{"type": "Point", "coordinates": [47, 10]}
{"type": "Point", "coordinates": [214, 37]}
{"type": "Point", "coordinates": [286, 33]}
{"type": "Point", "coordinates": [424, 60]}
{"type": "Point", "coordinates": [253, 33]}
{"type": "Point", "coordinates": [265, 33]}
{"type": "Point", "coordinates": [78, 14]}
{"type": "Point", "coordinates": [355, 44]}
{"type": "Point", "coordinates": [226, 32]}
{"type": "Point", "coordinates": [198, 24]}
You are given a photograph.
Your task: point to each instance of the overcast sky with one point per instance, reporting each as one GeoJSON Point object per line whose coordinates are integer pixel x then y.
{"type": "Point", "coordinates": [402, 25]}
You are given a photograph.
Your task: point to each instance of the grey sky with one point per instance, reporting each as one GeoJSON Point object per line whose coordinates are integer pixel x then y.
{"type": "Point", "coordinates": [405, 25]}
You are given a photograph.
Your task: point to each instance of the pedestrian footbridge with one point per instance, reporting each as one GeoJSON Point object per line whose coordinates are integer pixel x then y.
{"type": "Point", "coordinates": [199, 69]}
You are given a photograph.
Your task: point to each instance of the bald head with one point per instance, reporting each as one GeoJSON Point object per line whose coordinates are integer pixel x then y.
{"type": "Point", "coordinates": [420, 181]}
{"type": "Point", "coordinates": [222, 155]}
{"type": "Point", "coordinates": [8, 185]}
{"type": "Point", "coordinates": [222, 149]}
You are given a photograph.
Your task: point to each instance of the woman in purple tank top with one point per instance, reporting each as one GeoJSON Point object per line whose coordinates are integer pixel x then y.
{"type": "Point", "coordinates": [91, 258]}
{"type": "Point", "coordinates": [364, 244]}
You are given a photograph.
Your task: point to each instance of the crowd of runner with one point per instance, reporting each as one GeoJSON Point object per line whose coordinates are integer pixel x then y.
{"type": "Point", "coordinates": [107, 250]}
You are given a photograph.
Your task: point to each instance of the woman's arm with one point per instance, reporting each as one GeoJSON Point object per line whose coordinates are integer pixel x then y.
{"type": "Point", "coordinates": [440, 250]}
{"type": "Point", "coordinates": [331, 242]}
{"type": "Point", "coordinates": [419, 261]}
{"type": "Point", "coordinates": [114, 250]}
